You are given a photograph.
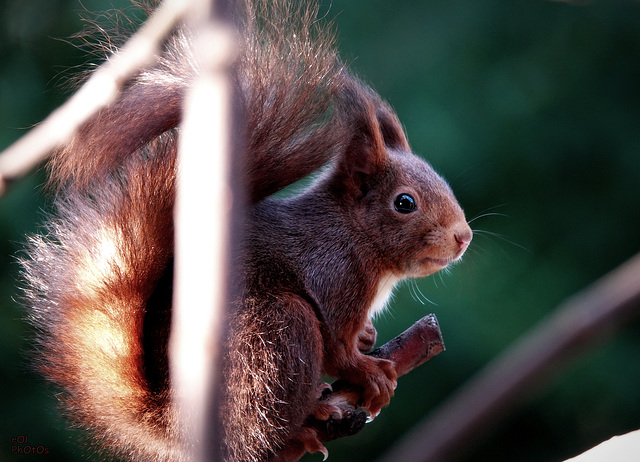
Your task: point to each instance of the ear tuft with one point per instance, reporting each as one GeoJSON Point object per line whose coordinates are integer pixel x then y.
{"type": "Point", "coordinates": [391, 128]}
{"type": "Point", "coordinates": [371, 127]}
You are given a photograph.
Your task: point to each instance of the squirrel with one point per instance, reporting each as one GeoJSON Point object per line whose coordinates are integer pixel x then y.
{"type": "Point", "coordinates": [313, 268]}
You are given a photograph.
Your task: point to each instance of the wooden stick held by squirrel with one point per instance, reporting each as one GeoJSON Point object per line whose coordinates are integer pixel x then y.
{"type": "Point", "coordinates": [313, 268]}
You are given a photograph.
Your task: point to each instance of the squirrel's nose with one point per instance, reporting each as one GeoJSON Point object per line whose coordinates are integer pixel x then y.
{"type": "Point", "coordinates": [463, 236]}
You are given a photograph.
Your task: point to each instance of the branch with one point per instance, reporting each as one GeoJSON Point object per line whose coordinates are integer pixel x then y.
{"type": "Point", "coordinates": [578, 323]}
{"type": "Point", "coordinates": [102, 88]}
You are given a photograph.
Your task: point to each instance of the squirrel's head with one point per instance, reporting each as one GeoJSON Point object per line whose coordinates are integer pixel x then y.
{"type": "Point", "coordinates": [395, 199]}
{"type": "Point", "coordinates": [420, 225]}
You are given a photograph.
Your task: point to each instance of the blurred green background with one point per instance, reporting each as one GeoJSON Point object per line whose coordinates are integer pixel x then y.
{"type": "Point", "coordinates": [530, 108]}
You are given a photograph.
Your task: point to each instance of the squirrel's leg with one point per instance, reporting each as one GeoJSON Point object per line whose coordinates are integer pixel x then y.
{"type": "Point", "coordinates": [377, 377]}
{"type": "Point", "coordinates": [272, 373]}
{"type": "Point", "coordinates": [366, 342]}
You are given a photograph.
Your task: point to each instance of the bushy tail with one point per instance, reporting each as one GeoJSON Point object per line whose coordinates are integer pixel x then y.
{"type": "Point", "coordinates": [90, 277]}
{"type": "Point", "coordinates": [286, 81]}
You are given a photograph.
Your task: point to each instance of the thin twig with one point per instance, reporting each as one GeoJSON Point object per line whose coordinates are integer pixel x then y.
{"type": "Point", "coordinates": [102, 88]}
{"type": "Point", "coordinates": [578, 323]}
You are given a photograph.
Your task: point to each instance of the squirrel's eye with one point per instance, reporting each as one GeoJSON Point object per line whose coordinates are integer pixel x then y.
{"type": "Point", "coordinates": [404, 203]}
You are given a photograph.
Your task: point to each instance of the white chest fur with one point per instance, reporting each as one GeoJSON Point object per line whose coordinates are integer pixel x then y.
{"type": "Point", "coordinates": [383, 294]}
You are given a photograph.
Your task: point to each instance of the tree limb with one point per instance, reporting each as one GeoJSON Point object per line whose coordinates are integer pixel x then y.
{"type": "Point", "coordinates": [101, 88]}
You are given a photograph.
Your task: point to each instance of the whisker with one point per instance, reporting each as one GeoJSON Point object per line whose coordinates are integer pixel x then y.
{"type": "Point", "coordinates": [488, 214]}
{"type": "Point", "coordinates": [440, 275]}
{"type": "Point", "coordinates": [488, 209]}
{"type": "Point", "coordinates": [435, 280]}
{"type": "Point", "coordinates": [501, 237]}
{"type": "Point", "coordinates": [414, 294]}
{"type": "Point", "coordinates": [461, 174]}
{"type": "Point", "coordinates": [474, 251]}
{"type": "Point", "coordinates": [422, 295]}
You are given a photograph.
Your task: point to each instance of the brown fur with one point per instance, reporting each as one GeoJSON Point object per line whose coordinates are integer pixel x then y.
{"type": "Point", "coordinates": [311, 271]}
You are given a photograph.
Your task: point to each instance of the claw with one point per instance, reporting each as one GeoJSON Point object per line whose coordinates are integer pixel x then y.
{"type": "Point", "coordinates": [371, 416]}
{"type": "Point", "coordinates": [323, 411]}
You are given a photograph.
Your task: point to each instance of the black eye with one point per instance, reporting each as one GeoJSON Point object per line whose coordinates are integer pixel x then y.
{"type": "Point", "coordinates": [404, 203]}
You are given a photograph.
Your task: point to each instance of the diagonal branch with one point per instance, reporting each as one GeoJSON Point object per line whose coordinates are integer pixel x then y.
{"type": "Point", "coordinates": [102, 88]}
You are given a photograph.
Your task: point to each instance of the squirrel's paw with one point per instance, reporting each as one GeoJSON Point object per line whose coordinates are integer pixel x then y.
{"type": "Point", "coordinates": [367, 337]}
{"type": "Point", "coordinates": [324, 411]}
{"type": "Point", "coordinates": [305, 440]}
{"type": "Point", "coordinates": [324, 388]}
{"type": "Point", "coordinates": [378, 377]}
{"type": "Point", "coordinates": [311, 443]}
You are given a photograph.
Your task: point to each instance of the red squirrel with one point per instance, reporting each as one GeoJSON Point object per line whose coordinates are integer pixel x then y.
{"type": "Point", "coordinates": [312, 270]}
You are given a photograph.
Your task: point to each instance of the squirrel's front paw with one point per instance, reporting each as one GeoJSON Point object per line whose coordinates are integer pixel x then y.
{"type": "Point", "coordinates": [379, 379]}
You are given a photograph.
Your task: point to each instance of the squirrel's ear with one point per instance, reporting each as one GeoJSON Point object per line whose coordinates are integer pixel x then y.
{"type": "Point", "coordinates": [365, 153]}
{"type": "Point", "coordinates": [391, 128]}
